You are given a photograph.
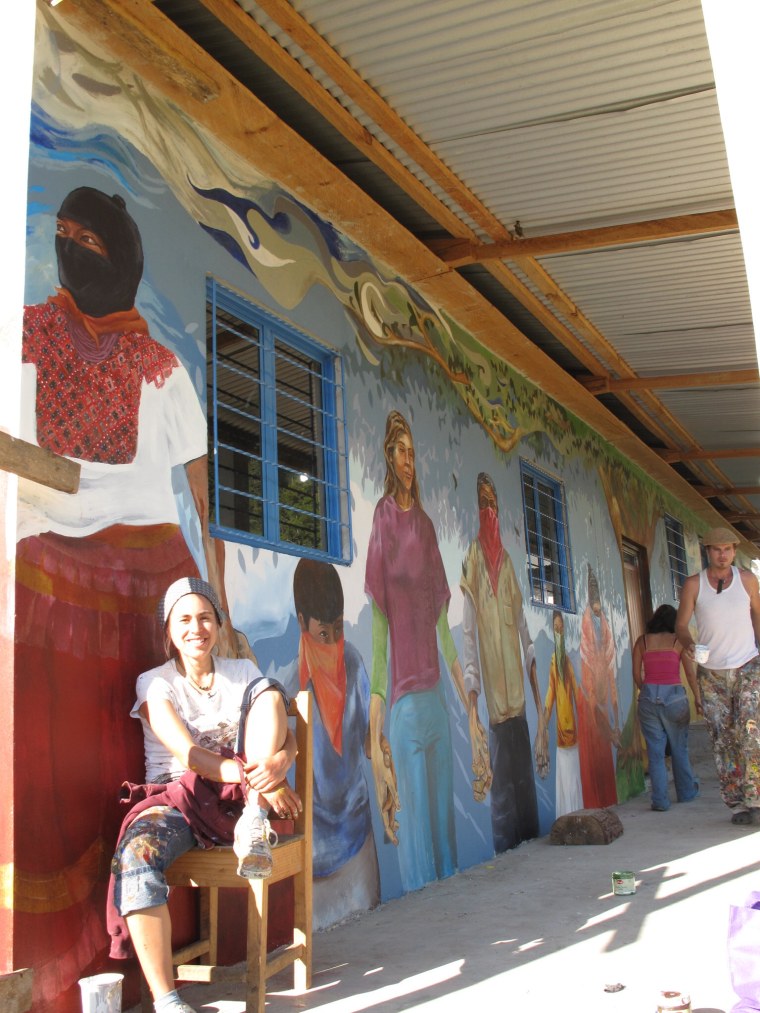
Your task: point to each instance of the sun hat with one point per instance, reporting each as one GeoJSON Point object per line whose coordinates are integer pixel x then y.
{"type": "Point", "coordinates": [188, 585]}
{"type": "Point", "coordinates": [719, 536]}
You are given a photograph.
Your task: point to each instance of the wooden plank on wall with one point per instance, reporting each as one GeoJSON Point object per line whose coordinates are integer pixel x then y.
{"type": "Point", "coordinates": [27, 460]}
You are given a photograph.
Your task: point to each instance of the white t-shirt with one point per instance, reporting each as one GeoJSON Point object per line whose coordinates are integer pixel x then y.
{"type": "Point", "coordinates": [211, 718]}
{"type": "Point", "coordinates": [171, 430]}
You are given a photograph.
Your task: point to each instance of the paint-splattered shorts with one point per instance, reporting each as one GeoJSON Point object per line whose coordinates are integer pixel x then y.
{"type": "Point", "coordinates": [150, 844]}
{"type": "Point", "coordinates": [731, 708]}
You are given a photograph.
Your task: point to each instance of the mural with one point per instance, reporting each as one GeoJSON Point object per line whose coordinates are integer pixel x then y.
{"type": "Point", "coordinates": [598, 720]}
{"type": "Point", "coordinates": [346, 872]}
{"type": "Point", "coordinates": [406, 580]}
{"type": "Point", "coordinates": [494, 629]}
{"type": "Point", "coordinates": [123, 229]}
{"type": "Point", "coordinates": [564, 694]}
{"type": "Point", "coordinates": [89, 567]}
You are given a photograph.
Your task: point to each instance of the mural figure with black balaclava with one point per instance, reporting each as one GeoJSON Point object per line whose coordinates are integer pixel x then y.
{"type": "Point", "coordinates": [100, 390]}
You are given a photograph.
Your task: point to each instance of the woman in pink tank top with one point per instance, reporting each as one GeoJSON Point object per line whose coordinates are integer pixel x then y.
{"type": "Point", "coordinates": [663, 706]}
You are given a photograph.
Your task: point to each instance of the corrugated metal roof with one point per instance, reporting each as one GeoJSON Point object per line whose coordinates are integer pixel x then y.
{"type": "Point", "coordinates": [670, 307]}
{"type": "Point", "coordinates": [561, 116]}
{"type": "Point", "coordinates": [555, 114]}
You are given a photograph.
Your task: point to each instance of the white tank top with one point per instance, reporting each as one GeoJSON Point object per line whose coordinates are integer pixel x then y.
{"type": "Point", "coordinates": [725, 623]}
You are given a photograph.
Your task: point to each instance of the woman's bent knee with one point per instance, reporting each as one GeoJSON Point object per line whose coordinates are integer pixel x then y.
{"type": "Point", "coordinates": [148, 847]}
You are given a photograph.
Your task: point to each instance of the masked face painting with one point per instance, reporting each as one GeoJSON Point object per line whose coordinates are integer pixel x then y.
{"type": "Point", "coordinates": [488, 534]}
{"type": "Point", "coordinates": [322, 660]}
{"type": "Point", "coordinates": [100, 256]}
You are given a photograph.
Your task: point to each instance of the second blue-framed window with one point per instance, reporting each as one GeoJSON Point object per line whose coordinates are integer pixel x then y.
{"type": "Point", "coordinates": [546, 539]}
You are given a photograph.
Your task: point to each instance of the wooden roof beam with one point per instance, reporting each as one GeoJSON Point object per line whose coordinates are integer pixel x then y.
{"type": "Point", "coordinates": [671, 456]}
{"type": "Point", "coordinates": [713, 491]}
{"type": "Point", "coordinates": [459, 252]}
{"type": "Point", "coordinates": [742, 517]}
{"type": "Point", "coordinates": [674, 381]}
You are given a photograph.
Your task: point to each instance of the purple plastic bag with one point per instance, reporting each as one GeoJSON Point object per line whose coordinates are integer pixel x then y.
{"type": "Point", "coordinates": [744, 953]}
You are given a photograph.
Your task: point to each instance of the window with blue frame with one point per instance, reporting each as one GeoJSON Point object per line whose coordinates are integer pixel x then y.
{"type": "Point", "coordinates": [546, 539]}
{"type": "Point", "coordinates": [278, 462]}
{"type": "Point", "coordinates": [679, 570]}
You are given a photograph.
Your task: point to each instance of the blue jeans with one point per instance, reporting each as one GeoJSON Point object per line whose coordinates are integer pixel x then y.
{"type": "Point", "coordinates": [664, 717]}
{"type": "Point", "coordinates": [421, 745]}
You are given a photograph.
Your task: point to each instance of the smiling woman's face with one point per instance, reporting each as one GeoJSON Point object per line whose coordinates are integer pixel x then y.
{"type": "Point", "coordinates": [193, 627]}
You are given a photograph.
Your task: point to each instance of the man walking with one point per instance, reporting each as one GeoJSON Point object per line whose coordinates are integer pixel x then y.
{"type": "Point", "coordinates": [726, 604]}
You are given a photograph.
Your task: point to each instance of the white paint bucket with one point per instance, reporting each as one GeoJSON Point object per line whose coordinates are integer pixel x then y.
{"type": "Point", "coordinates": [101, 993]}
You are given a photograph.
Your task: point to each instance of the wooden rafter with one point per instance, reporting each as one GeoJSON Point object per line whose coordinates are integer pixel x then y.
{"type": "Point", "coordinates": [712, 491]}
{"type": "Point", "coordinates": [674, 381]}
{"type": "Point", "coordinates": [735, 518]}
{"type": "Point", "coordinates": [458, 252]}
{"type": "Point", "coordinates": [706, 455]}
{"type": "Point", "coordinates": [581, 338]}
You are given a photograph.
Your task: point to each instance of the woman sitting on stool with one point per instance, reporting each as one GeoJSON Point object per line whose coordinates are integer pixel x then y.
{"type": "Point", "coordinates": [192, 708]}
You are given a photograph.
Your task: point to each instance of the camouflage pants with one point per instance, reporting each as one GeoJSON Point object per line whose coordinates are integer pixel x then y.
{"type": "Point", "coordinates": [731, 707]}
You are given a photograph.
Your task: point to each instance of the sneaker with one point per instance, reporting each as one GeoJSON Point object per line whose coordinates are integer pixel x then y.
{"type": "Point", "coordinates": [178, 1006]}
{"type": "Point", "coordinates": [253, 840]}
{"type": "Point", "coordinates": [742, 817]}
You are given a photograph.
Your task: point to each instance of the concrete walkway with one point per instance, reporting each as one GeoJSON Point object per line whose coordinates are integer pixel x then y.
{"type": "Point", "coordinates": [539, 928]}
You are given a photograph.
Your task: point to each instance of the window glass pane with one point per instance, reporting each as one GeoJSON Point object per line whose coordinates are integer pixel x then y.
{"type": "Point", "coordinates": [676, 554]}
{"type": "Point", "coordinates": [236, 499]}
{"type": "Point", "coordinates": [300, 448]}
{"type": "Point", "coordinates": [545, 540]}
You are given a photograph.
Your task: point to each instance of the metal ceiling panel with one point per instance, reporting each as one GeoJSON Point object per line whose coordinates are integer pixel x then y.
{"type": "Point", "coordinates": [669, 307]}
{"type": "Point", "coordinates": [559, 116]}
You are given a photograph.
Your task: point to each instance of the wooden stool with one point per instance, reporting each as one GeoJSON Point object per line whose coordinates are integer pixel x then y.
{"type": "Point", "coordinates": [216, 867]}
{"type": "Point", "coordinates": [16, 990]}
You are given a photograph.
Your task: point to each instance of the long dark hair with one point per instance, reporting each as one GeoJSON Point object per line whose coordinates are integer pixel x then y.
{"type": "Point", "coordinates": [663, 621]}
{"type": "Point", "coordinates": [396, 426]}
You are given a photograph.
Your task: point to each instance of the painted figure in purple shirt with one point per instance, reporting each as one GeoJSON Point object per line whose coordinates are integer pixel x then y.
{"type": "Point", "coordinates": [410, 594]}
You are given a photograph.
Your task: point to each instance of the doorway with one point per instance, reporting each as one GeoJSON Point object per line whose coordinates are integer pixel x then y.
{"type": "Point", "coordinates": [637, 593]}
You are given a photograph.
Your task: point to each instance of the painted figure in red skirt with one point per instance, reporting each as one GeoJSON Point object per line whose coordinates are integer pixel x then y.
{"type": "Point", "coordinates": [98, 389]}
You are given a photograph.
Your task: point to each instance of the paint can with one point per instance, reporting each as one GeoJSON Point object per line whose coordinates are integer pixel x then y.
{"type": "Point", "coordinates": [101, 993]}
{"type": "Point", "coordinates": [623, 882]}
{"type": "Point", "coordinates": [701, 653]}
{"type": "Point", "coordinates": [673, 1002]}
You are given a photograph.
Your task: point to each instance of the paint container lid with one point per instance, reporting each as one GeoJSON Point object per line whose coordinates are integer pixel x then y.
{"type": "Point", "coordinates": [670, 1001]}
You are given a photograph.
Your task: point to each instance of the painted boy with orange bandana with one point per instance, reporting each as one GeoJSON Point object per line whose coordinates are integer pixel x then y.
{"type": "Point", "coordinates": [346, 874]}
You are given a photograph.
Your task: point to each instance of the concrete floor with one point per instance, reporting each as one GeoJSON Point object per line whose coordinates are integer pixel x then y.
{"type": "Point", "coordinates": [540, 929]}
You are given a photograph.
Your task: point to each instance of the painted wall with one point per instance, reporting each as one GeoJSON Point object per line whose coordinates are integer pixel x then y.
{"type": "Point", "coordinates": [90, 567]}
